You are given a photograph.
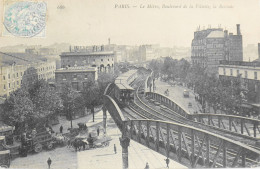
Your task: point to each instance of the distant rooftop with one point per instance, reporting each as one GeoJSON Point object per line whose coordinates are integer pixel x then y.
{"type": "Point", "coordinates": [216, 34]}
{"type": "Point", "coordinates": [240, 63]}
{"type": "Point", "coordinates": [19, 58]}
{"type": "Point", "coordinates": [87, 53]}
{"type": "Point", "coordinates": [77, 69]}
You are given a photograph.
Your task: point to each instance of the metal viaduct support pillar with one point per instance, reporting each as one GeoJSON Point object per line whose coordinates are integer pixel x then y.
{"type": "Point", "coordinates": [104, 119]}
{"type": "Point", "coordinates": [124, 142]}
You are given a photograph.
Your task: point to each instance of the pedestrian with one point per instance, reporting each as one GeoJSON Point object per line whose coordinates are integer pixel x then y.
{"type": "Point", "coordinates": [83, 145]}
{"type": "Point", "coordinates": [61, 128]}
{"type": "Point", "coordinates": [49, 162]}
{"type": "Point", "coordinates": [69, 143]}
{"type": "Point", "coordinates": [98, 131]}
{"type": "Point", "coordinates": [167, 162]}
{"type": "Point", "coordinates": [115, 148]}
{"type": "Point", "coordinates": [146, 166]}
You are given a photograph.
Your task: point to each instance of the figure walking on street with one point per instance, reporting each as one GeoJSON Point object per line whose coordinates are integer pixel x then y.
{"type": "Point", "coordinates": [98, 131]}
{"type": "Point", "coordinates": [61, 128]}
{"type": "Point", "coordinates": [146, 166]}
{"type": "Point", "coordinates": [115, 148]}
{"type": "Point", "coordinates": [167, 162]}
{"type": "Point", "coordinates": [49, 162]}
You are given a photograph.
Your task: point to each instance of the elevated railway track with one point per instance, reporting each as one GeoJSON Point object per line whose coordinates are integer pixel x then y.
{"type": "Point", "coordinates": [167, 129]}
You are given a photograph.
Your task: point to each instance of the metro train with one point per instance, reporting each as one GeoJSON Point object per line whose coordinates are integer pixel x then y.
{"type": "Point", "coordinates": [124, 93]}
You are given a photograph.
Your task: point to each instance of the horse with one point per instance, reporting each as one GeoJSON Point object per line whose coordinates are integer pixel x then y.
{"type": "Point", "coordinates": [77, 144]}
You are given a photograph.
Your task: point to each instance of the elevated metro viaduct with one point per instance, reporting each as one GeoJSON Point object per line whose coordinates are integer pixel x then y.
{"type": "Point", "coordinates": [190, 146]}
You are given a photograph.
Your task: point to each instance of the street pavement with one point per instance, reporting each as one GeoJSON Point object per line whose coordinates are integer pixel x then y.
{"type": "Point", "coordinates": [176, 94]}
{"type": "Point", "coordinates": [67, 158]}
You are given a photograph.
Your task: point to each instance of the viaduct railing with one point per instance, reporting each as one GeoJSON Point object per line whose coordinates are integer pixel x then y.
{"type": "Point", "coordinates": [190, 146]}
{"type": "Point", "coordinates": [235, 124]}
{"type": "Point", "coordinates": [166, 101]}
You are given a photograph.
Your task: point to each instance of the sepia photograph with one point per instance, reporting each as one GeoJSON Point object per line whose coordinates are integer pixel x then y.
{"type": "Point", "coordinates": [129, 84]}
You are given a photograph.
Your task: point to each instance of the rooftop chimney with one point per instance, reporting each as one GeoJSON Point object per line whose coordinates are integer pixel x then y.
{"type": "Point", "coordinates": [238, 29]}
{"type": "Point", "coordinates": [225, 33]}
{"type": "Point", "coordinates": [259, 50]}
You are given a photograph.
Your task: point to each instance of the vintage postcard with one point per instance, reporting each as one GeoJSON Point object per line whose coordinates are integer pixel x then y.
{"type": "Point", "coordinates": [129, 84]}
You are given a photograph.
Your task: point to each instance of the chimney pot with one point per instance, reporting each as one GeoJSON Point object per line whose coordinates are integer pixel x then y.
{"type": "Point", "coordinates": [238, 29]}
{"type": "Point", "coordinates": [259, 50]}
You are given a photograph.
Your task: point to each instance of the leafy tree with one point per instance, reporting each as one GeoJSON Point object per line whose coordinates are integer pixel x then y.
{"type": "Point", "coordinates": [92, 96]}
{"type": "Point", "coordinates": [45, 99]}
{"type": "Point", "coordinates": [70, 99]}
{"type": "Point", "coordinates": [18, 110]}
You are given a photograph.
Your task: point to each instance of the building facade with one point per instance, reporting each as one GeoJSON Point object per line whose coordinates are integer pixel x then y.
{"type": "Point", "coordinates": [213, 45]}
{"type": "Point", "coordinates": [249, 75]}
{"type": "Point", "coordinates": [80, 56]}
{"type": "Point", "coordinates": [76, 77]}
{"type": "Point", "coordinates": [13, 76]}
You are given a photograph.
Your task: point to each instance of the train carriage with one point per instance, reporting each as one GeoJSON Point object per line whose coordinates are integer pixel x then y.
{"type": "Point", "coordinates": [124, 93]}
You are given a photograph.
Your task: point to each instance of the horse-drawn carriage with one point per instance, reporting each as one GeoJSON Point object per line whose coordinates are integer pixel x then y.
{"type": "Point", "coordinates": [88, 138]}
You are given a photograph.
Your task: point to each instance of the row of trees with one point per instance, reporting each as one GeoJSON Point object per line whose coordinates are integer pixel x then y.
{"type": "Point", "coordinates": [35, 104]}
{"type": "Point", "coordinates": [169, 68]}
{"type": "Point", "coordinates": [224, 95]}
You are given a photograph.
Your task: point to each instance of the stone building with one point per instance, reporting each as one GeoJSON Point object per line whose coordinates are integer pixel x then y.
{"type": "Point", "coordinates": [76, 77]}
{"type": "Point", "coordinates": [212, 45]}
{"type": "Point", "coordinates": [14, 75]}
{"type": "Point", "coordinates": [249, 75]}
{"type": "Point", "coordinates": [80, 56]}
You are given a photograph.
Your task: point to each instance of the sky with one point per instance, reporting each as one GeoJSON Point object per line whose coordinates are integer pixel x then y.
{"type": "Point", "coordinates": [89, 22]}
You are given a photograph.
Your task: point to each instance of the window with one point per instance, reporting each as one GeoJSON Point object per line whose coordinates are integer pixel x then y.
{"type": "Point", "coordinates": [255, 75]}
{"type": "Point", "coordinates": [4, 86]}
{"type": "Point", "coordinates": [17, 82]}
{"type": "Point", "coordinates": [17, 74]}
{"type": "Point", "coordinates": [4, 77]}
{"type": "Point", "coordinates": [21, 81]}
{"type": "Point", "coordinates": [21, 74]}
{"type": "Point", "coordinates": [8, 76]}
{"type": "Point", "coordinates": [101, 60]}
{"type": "Point", "coordinates": [237, 72]}
{"type": "Point", "coordinates": [231, 72]}
{"type": "Point", "coordinates": [75, 85]}
{"type": "Point", "coordinates": [85, 84]}
{"type": "Point", "coordinates": [9, 85]}
{"type": "Point", "coordinates": [108, 59]}
{"type": "Point", "coordinates": [245, 74]}
{"type": "Point", "coordinates": [64, 77]}
{"type": "Point", "coordinates": [75, 76]}
{"type": "Point", "coordinates": [86, 76]}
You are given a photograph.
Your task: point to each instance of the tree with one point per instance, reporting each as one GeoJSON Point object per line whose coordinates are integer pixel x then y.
{"type": "Point", "coordinates": [69, 99]}
{"type": "Point", "coordinates": [18, 110]}
{"type": "Point", "coordinates": [45, 99]}
{"type": "Point", "coordinates": [91, 95]}
{"type": "Point", "coordinates": [33, 104]}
